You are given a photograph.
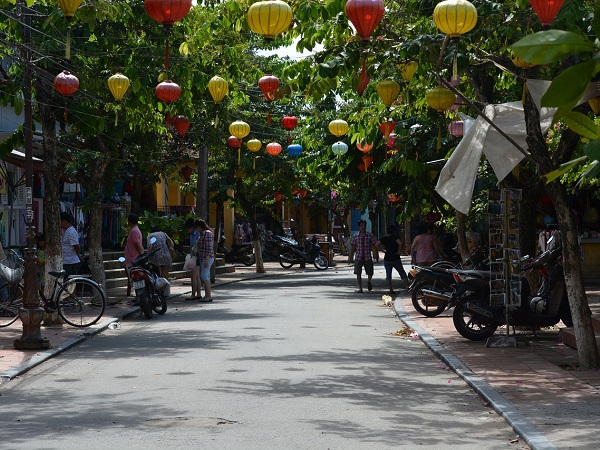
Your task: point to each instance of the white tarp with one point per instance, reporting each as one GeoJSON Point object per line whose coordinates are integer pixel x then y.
{"type": "Point", "coordinates": [457, 178]}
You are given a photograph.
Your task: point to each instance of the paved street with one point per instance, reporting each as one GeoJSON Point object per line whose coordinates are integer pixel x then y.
{"type": "Point", "coordinates": [295, 361]}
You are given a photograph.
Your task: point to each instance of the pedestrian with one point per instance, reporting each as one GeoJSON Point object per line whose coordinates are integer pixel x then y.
{"type": "Point", "coordinates": [205, 256]}
{"type": "Point", "coordinates": [361, 251]}
{"type": "Point", "coordinates": [40, 243]}
{"type": "Point", "coordinates": [392, 245]}
{"type": "Point", "coordinates": [162, 258]}
{"type": "Point", "coordinates": [425, 247]}
{"type": "Point", "coordinates": [71, 253]}
{"type": "Point", "coordinates": [133, 246]}
{"type": "Point", "coordinates": [195, 271]}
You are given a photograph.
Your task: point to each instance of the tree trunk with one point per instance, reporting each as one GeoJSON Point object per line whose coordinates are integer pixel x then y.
{"type": "Point", "coordinates": [248, 207]}
{"type": "Point", "coordinates": [587, 349]}
{"type": "Point", "coordinates": [202, 184]}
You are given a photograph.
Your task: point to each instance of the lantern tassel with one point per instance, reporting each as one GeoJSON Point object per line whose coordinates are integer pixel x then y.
{"type": "Point", "coordinates": [68, 45]}
{"type": "Point", "coordinates": [167, 55]}
{"type": "Point", "coordinates": [254, 163]}
{"type": "Point", "coordinates": [116, 117]}
{"type": "Point", "coordinates": [439, 138]}
{"type": "Point", "coordinates": [289, 139]}
{"type": "Point", "coordinates": [269, 117]}
{"type": "Point", "coordinates": [239, 156]}
{"type": "Point", "coordinates": [455, 65]}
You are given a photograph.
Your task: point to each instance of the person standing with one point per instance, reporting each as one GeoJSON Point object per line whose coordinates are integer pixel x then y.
{"type": "Point", "coordinates": [195, 272]}
{"type": "Point", "coordinates": [425, 247]}
{"type": "Point", "coordinates": [205, 256]}
{"type": "Point", "coordinates": [71, 253]}
{"type": "Point", "coordinates": [162, 258]}
{"type": "Point", "coordinates": [392, 245]}
{"type": "Point", "coordinates": [361, 245]}
{"type": "Point", "coordinates": [133, 246]}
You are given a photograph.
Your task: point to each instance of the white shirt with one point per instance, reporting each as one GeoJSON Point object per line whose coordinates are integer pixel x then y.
{"type": "Point", "coordinates": [70, 238]}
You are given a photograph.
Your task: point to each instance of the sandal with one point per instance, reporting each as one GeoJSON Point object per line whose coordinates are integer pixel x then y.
{"type": "Point", "coordinates": [205, 299]}
{"type": "Point", "coordinates": [190, 299]}
{"type": "Point", "coordinates": [359, 291]}
{"type": "Point", "coordinates": [370, 286]}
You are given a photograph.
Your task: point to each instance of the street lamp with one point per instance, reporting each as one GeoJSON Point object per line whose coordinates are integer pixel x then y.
{"type": "Point", "coordinates": [31, 314]}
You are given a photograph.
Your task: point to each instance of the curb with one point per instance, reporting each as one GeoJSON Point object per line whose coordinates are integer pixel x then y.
{"type": "Point", "coordinates": [505, 409]}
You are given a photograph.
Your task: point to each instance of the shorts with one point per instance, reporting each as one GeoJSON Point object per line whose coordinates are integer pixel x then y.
{"type": "Point", "coordinates": [205, 271]}
{"type": "Point", "coordinates": [396, 264]}
{"type": "Point", "coordinates": [368, 265]}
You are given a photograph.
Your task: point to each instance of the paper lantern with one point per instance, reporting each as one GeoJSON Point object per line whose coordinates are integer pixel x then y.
{"type": "Point", "coordinates": [339, 148]}
{"type": "Point", "coordinates": [254, 145]}
{"type": "Point", "coordinates": [289, 122]}
{"type": "Point", "coordinates": [456, 128]}
{"type": "Point", "coordinates": [269, 18]}
{"type": "Point", "coordinates": [595, 104]}
{"type": "Point", "coordinates": [455, 17]}
{"type": "Point", "coordinates": [546, 10]}
{"type": "Point", "coordinates": [278, 196]}
{"type": "Point", "coordinates": [218, 88]}
{"type": "Point", "coordinates": [387, 127]}
{"type": "Point", "coordinates": [521, 63]}
{"type": "Point", "coordinates": [66, 83]}
{"type": "Point", "coordinates": [181, 124]}
{"type": "Point", "coordinates": [274, 148]}
{"type": "Point", "coordinates": [167, 91]}
{"type": "Point", "coordinates": [440, 98]}
{"type": "Point", "coordinates": [69, 7]}
{"type": "Point", "coordinates": [118, 85]}
{"type": "Point", "coordinates": [268, 84]}
{"type": "Point", "coordinates": [393, 198]}
{"type": "Point", "coordinates": [407, 70]}
{"type": "Point", "coordinates": [391, 140]}
{"type": "Point", "coordinates": [167, 12]}
{"type": "Point", "coordinates": [365, 15]}
{"type": "Point", "coordinates": [294, 150]}
{"type": "Point", "coordinates": [239, 129]}
{"type": "Point", "coordinates": [338, 127]}
{"type": "Point", "coordinates": [365, 148]}
{"type": "Point", "coordinates": [361, 166]}
{"type": "Point", "coordinates": [388, 91]}
{"type": "Point", "coordinates": [234, 142]}
{"type": "Point", "coordinates": [302, 193]}
{"type": "Point", "coordinates": [367, 161]}
{"type": "Point", "coordinates": [187, 171]}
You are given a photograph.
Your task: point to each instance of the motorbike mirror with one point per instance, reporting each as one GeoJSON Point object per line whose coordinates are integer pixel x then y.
{"type": "Point", "coordinates": [121, 259]}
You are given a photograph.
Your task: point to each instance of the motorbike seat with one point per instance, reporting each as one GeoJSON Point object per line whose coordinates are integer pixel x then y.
{"type": "Point", "coordinates": [242, 245]}
{"type": "Point", "coordinates": [471, 273]}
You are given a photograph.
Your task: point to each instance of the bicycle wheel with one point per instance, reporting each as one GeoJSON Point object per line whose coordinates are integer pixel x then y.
{"type": "Point", "coordinates": [80, 302]}
{"type": "Point", "coordinates": [11, 300]}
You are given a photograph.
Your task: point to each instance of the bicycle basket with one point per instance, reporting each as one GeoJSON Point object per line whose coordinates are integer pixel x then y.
{"type": "Point", "coordinates": [11, 271]}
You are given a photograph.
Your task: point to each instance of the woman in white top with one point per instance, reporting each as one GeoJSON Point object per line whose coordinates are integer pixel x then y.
{"type": "Point", "coordinates": [71, 252]}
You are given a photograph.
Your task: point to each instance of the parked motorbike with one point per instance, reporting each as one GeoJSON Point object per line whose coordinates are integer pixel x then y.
{"type": "Point", "coordinates": [432, 287]}
{"type": "Point", "coordinates": [476, 319]}
{"type": "Point", "coordinates": [291, 254]}
{"type": "Point", "coordinates": [239, 253]}
{"type": "Point", "coordinates": [150, 288]}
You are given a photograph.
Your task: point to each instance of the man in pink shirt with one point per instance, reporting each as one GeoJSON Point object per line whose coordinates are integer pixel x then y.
{"type": "Point", "coordinates": [133, 246]}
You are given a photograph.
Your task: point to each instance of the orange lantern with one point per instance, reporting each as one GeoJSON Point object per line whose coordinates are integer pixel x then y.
{"type": "Point", "coordinates": [367, 161]}
{"type": "Point", "coordinates": [365, 15]}
{"type": "Point", "coordinates": [278, 196]}
{"type": "Point", "coordinates": [365, 148]}
{"type": "Point", "coordinates": [387, 127]}
{"type": "Point", "coordinates": [273, 148]}
{"type": "Point", "coordinates": [302, 193]}
{"type": "Point", "coordinates": [181, 124]}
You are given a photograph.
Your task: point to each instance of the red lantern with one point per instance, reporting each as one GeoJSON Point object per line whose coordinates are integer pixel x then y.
{"type": "Point", "coordinates": [303, 192]}
{"type": "Point", "coordinates": [167, 91]}
{"type": "Point", "coordinates": [387, 127]}
{"type": "Point", "coordinates": [267, 85]}
{"type": "Point", "coordinates": [546, 10]}
{"type": "Point", "coordinates": [167, 12]}
{"type": "Point", "coordinates": [391, 140]}
{"type": "Point", "coordinates": [365, 15]}
{"type": "Point", "coordinates": [361, 167]}
{"type": "Point", "coordinates": [274, 148]}
{"type": "Point", "coordinates": [187, 171]}
{"type": "Point", "coordinates": [278, 196]}
{"type": "Point", "coordinates": [234, 142]}
{"type": "Point", "coordinates": [392, 198]}
{"type": "Point", "coordinates": [66, 83]}
{"type": "Point", "coordinates": [367, 161]}
{"type": "Point", "coordinates": [289, 122]}
{"type": "Point", "coordinates": [365, 148]}
{"type": "Point", "coordinates": [181, 124]}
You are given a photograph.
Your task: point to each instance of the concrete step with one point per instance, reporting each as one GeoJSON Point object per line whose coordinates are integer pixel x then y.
{"type": "Point", "coordinates": [118, 278]}
{"type": "Point", "coordinates": [567, 335]}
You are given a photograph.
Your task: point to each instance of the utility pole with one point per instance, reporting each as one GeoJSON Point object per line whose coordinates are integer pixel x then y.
{"type": "Point", "coordinates": [31, 314]}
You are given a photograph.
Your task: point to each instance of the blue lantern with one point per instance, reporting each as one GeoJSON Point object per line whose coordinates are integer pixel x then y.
{"type": "Point", "coordinates": [339, 148]}
{"type": "Point", "coordinates": [294, 150]}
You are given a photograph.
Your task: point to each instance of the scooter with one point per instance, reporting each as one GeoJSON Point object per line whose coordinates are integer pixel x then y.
{"type": "Point", "coordinates": [476, 319]}
{"type": "Point", "coordinates": [239, 253]}
{"type": "Point", "coordinates": [291, 254]}
{"type": "Point", "coordinates": [150, 288]}
{"type": "Point", "coordinates": [432, 287]}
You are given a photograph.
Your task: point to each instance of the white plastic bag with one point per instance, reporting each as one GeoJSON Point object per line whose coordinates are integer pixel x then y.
{"type": "Point", "coordinates": [190, 262]}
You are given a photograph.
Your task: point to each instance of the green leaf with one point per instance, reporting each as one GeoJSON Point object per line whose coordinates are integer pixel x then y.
{"type": "Point", "coordinates": [591, 172]}
{"type": "Point", "coordinates": [545, 47]}
{"type": "Point", "coordinates": [592, 149]}
{"type": "Point", "coordinates": [569, 86]}
{"type": "Point", "coordinates": [582, 125]}
{"type": "Point", "coordinates": [562, 169]}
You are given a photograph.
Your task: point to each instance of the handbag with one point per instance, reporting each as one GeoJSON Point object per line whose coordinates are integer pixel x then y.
{"type": "Point", "coordinates": [190, 262]}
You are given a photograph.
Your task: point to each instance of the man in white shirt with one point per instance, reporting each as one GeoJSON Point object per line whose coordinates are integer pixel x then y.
{"type": "Point", "coordinates": [71, 252]}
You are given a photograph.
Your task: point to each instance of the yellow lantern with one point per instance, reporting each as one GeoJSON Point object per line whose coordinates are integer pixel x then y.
{"type": "Point", "coordinates": [407, 70]}
{"type": "Point", "coordinates": [440, 98]}
{"type": "Point", "coordinates": [388, 91]}
{"type": "Point", "coordinates": [218, 88]}
{"type": "Point", "coordinates": [254, 145]}
{"type": "Point", "coordinates": [455, 17]}
{"type": "Point", "coordinates": [269, 18]}
{"type": "Point", "coordinates": [338, 127]}
{"type": "Point", "coordinates": [240, 130]}
{"type": "Point", "coordinates": [595, 104]}
{"type": "Point", "coordinates": [118, 85]}
{"type": "Point", "coordinates": [521, 63]}
{"type": "Point", "coordinates": [69, 7]}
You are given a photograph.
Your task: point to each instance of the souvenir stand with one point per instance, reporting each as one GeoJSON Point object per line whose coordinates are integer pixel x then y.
{"type": "Point", "coordinates": [505, 256]}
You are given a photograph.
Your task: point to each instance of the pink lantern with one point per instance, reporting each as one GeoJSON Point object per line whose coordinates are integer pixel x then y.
{"type": "Point", "coordinates": [391, 140]}
{"type": "Point", "coordinates": [456, 128]}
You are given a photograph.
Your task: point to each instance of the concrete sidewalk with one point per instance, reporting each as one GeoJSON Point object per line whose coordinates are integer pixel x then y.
{"type": "Point", "coordinates": [537, 389]}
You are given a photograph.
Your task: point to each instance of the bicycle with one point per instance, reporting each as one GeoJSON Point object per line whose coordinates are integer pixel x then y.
{"type": "Point", "coordinates": [11, 288]}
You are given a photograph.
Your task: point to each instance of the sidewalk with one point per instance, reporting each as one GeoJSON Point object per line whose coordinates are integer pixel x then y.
{"type": "Point", "coordinates": [537, 389]}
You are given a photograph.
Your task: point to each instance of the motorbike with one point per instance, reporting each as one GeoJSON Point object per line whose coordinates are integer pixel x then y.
{"type": "Point", "coordinates": [150, 288]}
{"type": "Point", "coordinates": [310, 252]}
{"type": "Point", "coordinates": [432, 287]}
{"type": "Point", "coordinates": [239, 253]}
{"type": "Point", "coordinates": [475, 318]}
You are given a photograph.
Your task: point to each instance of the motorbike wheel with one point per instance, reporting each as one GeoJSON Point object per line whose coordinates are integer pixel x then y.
{"type": "Point", "coordinates": [160, 304]}
{"type": "Point", "coordinates": [144, 300]}
{"type": "Point", "coordinates": [427, 306]}
{"type": "Point", "coordinates": [321, 262]}
{"type": "Point", "coordinates": [286, 259]}
{"type": "Point", "coordinates": [248, 259]}
{"type": "Point", "coordinates": [470, 325]}
{"type": "Point", "coordinates": [444, 265]}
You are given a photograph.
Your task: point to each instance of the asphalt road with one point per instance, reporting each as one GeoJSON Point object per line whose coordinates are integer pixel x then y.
{"type": "Point", "coordinates": [294, 362]}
